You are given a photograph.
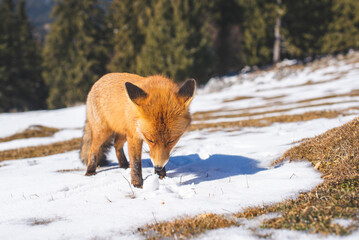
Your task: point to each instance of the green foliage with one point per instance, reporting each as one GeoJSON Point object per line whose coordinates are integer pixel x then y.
{"type": "Point", "coordinates": [75, 51]}
{"type": "Point", "coordinates": [226, 34]}
{"type": "Point", "coordinates": [305, 23]}
{"type": "Point", "coordinates": [22, 87]}
{"type": "Point", "coordinates": [176, 43]}
{"type": "Point", "coordinates": [127, 20]}
{"type": "Point", "coordinates": [258, 31]}
{"type": "Point", "coordinates": [178, 38]}
{"type": "Point", "coordinates": [243, 33]}
{"type": "Point", "coordinates": [343, 31]}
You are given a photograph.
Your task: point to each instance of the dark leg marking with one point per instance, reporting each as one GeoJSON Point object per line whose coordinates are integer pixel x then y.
{"type": "Point", "coordinates": [91, 167]}
{"type": "Point", "coordinates": [122, 160]}
{"type": "Point", "coordinates": [136, 174]}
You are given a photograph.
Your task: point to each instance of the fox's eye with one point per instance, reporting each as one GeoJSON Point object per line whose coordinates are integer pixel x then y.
{"type": "Point", "coordinates": [149, 140]}
{"type": "Point", "coordinates": [170, 141]}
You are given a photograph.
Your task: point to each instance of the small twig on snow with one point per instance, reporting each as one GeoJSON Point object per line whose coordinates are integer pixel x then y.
{"type": "Point", "coordinates": [129, 184]}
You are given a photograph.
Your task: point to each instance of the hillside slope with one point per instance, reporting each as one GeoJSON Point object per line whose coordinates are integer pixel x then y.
{"type": "Point", "coordinates": [241, 124]}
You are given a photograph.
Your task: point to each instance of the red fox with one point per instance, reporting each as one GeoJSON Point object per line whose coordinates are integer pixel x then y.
{"type": "Point", "coordinates": [128, 107]}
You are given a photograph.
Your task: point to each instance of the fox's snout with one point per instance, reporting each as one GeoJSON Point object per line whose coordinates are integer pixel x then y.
{"type": "Point", "coordinates": [159, 164]}
{"type": "Point", "coordinates": [158, 168]}
{"type": "Point", "coordinates": [160, 155]}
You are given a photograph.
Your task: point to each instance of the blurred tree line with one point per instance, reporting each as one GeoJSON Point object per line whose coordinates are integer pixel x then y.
{"type": "Point", "coordinates": [177, 38]}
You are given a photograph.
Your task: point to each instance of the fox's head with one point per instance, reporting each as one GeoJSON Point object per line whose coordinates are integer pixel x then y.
{"type": "Point", "coordinates": [163, 114]}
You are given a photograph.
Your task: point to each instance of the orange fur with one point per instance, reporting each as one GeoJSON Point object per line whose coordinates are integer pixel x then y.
{"type": "Point", "coordinates": [157, 115]}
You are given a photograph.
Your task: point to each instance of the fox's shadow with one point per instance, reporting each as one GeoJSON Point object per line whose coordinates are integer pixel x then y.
{"type": "Point", "coordinates": [215, 167]}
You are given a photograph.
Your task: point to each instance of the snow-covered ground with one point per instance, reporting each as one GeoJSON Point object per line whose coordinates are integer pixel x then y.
{"type": "Point", "coordinates": [210, 171]}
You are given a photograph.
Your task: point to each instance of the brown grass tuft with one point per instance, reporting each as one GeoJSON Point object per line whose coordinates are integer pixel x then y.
{"type": "Point", "coordinates": [337, 151]}
{"type": "Point", "coordinates": [42, 221]}
{"type": "Point", "coordinates": [31, 132]}
{"type": "Point", "coordinates": [70, 170]}
{"type": "Point", "coordinates": [183, 228]}
{"type": "Point", "coordinates": [314, 211]}
{"type": "Point", "coordinates": [213, 114]}
{"type": "Point", "coordinates": [352, 93]}
{"type": "Point", "coordinates": [275, 97]}
{"type": "Point", "coordinates": [266, 121]}
{"type": "Point", "coordinates": [41, 151]}
{"type": "Point", "coordinates": [336, 154]}
{"type": "Point", "coordinates": [237, 99]}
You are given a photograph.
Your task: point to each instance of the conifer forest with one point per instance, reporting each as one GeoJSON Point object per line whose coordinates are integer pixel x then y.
{"type": "Point", "coordinates": [177, 38]}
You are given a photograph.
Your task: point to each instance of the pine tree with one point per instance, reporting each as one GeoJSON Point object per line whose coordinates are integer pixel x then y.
{"type": "Point", "coordinates": [7, 70]}
{"type": "Point", "coordinates": [176, 43]}
{"type": "Point", "coordinates": [127, 20]}
{"type": "Point", "coordinates": [22, 87]}
{"type": "Point", "coordinates": [75, 53]}
{"type": "Point", "coordinates": [32, 89]}
{"type": "Point", "coordinates": [277, 36]}
{"type": "Point", "coordinates": [226, 34]}
{"type": "Point", "coordinates": [306, 22]}
{"type": "Point", "coordinates": [257, 25]}
{"type": "Point", "coordinates": [243, 33]}
{"type": "Point", "coordinates": [343, 31]}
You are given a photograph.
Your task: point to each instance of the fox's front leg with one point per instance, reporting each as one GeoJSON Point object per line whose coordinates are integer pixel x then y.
{"type": "Point", "coordinates": [119, 142]}
{"type": "Point", "coordinates": [134, 152]}
{"type": "Point", "coordinates": [98, 138]}
{"type": "Point", "coordinates": [91, 165]}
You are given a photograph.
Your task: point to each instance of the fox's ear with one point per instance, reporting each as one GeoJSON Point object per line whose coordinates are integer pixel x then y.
{"type": "Point", "coordinates": [187, 90]}
{"type": "Point", "coordinates": [135, 93]}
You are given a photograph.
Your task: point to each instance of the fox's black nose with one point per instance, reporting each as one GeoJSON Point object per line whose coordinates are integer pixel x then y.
{"type": "Point", "coordinates": [158, 168]}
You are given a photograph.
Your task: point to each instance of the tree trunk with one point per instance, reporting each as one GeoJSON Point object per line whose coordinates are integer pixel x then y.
{"type": "Point", "coordinates": [277, 38]}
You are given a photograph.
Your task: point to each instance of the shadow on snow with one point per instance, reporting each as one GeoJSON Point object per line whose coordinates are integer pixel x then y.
{"type": "Point", "coordinates": [215, 167]}
{"type": "Point", "coordinates": [218, 166]}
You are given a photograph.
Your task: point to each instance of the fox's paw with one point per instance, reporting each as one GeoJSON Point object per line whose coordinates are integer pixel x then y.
{"type": "Point", "coordinates": [124, 165]}
{"type": "Point", "coordinates": [90, 173]}
{"type": "Point", "coordinates": [137, 184]}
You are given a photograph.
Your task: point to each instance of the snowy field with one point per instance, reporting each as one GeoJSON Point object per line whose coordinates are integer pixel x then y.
{"type": "Point", "coordinates": [211, 170]}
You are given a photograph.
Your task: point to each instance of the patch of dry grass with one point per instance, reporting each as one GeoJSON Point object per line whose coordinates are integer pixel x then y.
{"type": "Point", "coordinates": [266, 121]}
{"type": "Point", "coordinates": [41, 151]}
{"type": "Point", "coordinates": [70, 170]}
{"type": "Point", "coordinates": [275, 97]}
{"type": "Point", "coordinates": [31, 132]}
{"type": "Point", "coordinates": [209, 115]}
{"type": "Point", "coordinates": [184, 228]}
{"type": "Point", "coordinates": [307, 83]}
{"type": "Point", "coordinates": [336, 154]}
{"type": "Point", "coordinates": [352, 93]}
{"type": "Point", "coordinates": [237, 99]}
{"type": "Point", "coordinates": [42, 221]}
{"type": "Point", "coordinates": [315, 211]}
{"type": "Point", "coordinates": [73, 144]}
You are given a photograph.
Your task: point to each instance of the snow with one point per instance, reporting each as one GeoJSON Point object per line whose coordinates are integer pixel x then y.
{"type": "Point", "coordinates": [63, 118]}
{"type": "Point", "coordinates": [245, 232]}
{"type": "Point", "coordinates": [210, 171]}
{"type": "Point", "coordinates": [343, 222]}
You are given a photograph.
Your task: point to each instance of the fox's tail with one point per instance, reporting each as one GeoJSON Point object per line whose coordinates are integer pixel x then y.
{"type": "Point", "coordinates": [86, 146]}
